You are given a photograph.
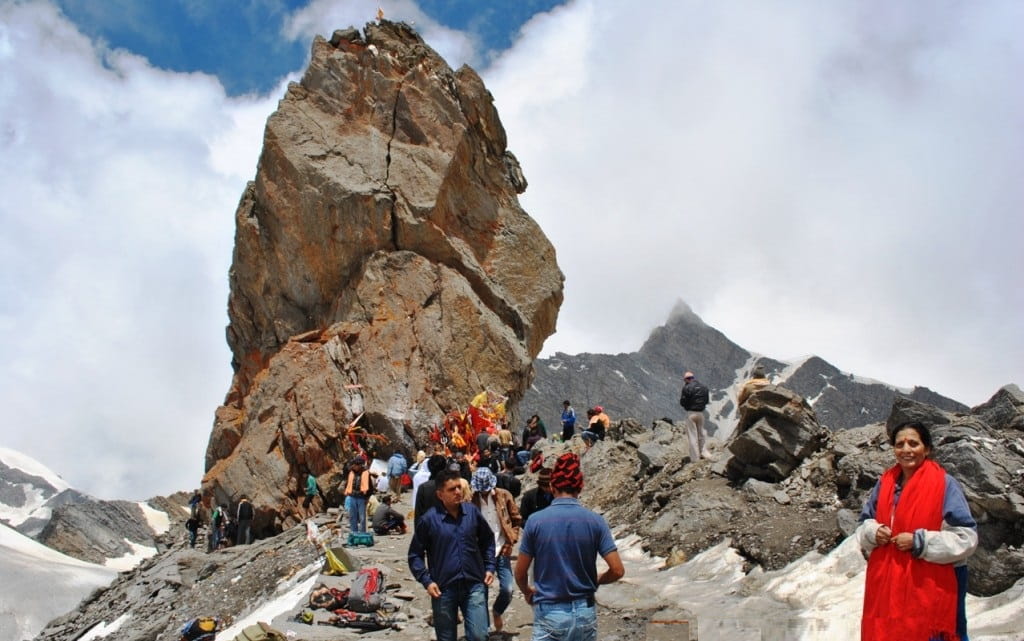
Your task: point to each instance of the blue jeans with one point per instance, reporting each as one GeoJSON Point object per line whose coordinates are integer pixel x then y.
{"type": "Point", "coordinates": [565, 621]}
{"type": "Point", "coordinates": [961, 593]}
{"type": "Point", "coordinates": [504, 584]}
{"type": "Point", "coordinates": [471, 599]}
{"type": "Point", "coordinates": [357, 514]}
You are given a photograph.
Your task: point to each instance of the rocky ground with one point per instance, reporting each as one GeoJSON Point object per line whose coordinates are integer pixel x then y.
{"type": "Point", "coordinates": [643, 482]}
{"type": "Point", "coordinates": [238, 583]}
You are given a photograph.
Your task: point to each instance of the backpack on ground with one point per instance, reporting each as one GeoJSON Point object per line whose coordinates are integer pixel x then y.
{"type": "Point", "coordinates": [360, 538]}
{"type": "Point", "coordinates": [200, 629]}
{"type": "Point", "coordinates": [367, 622]}
{"type": "Point", "coordinates": [260, 631]}
{"type": "Point", "coordinates": [328, 598]}
{"type": "Point", "coordinates": [367, 592]}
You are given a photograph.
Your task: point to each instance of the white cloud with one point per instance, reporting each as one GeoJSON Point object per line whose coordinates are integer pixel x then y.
{"type": "Point", "coordinates": [829, 178]}
{"type": "Point", "coordinates": [119, 182]}
{"type": "Point", "coordinates": [323, 17]}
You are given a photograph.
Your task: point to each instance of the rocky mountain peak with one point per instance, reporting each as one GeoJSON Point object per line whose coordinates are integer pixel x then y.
{"type": "Point", "coordinates": [383, 270]}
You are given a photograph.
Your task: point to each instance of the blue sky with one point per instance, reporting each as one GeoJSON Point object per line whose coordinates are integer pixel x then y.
{"type": "Point", "coordinates": [839, 179]}
{"type": "Point", "coordinates": [241, 43]}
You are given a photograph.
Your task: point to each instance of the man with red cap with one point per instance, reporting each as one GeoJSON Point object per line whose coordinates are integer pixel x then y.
{"type": "Point", "coordinates": [565, 540]}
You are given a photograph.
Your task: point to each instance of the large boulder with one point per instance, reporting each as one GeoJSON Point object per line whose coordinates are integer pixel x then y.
{"type": "Point", "coordinates": [1004, 411]}
{"type": "Point", "coordinates": [777, 430]}
{"type": "Point", "coordinates": [383, 272]}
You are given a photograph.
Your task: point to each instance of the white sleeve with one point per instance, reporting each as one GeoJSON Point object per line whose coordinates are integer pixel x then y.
{"type": "Point", "coordinates": [951, 544]}
{"type": "Point", "coordinates": [865, 534]}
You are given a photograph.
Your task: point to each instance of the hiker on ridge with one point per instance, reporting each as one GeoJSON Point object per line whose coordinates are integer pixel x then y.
{"type": "Point", "coordinates": [244, 514]}
{"type": "Point", "coordinates": [694, 398]}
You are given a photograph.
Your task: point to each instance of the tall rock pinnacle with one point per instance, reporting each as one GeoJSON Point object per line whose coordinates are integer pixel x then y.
{"type": "Point", "coordinates": [382, 267]}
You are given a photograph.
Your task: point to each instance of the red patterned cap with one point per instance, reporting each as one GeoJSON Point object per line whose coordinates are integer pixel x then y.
{"type": "Point", "coordinates": [567, 475]}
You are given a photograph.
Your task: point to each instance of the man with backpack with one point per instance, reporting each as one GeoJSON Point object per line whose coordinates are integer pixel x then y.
{"type": "Point", "coordinates": [452, 556]}
{"type": "Point", "coordinates": [694, 398]}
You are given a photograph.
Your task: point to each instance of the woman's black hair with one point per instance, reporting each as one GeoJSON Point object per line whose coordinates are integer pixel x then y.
{"type": "Point", "coordinates": [922, 431]}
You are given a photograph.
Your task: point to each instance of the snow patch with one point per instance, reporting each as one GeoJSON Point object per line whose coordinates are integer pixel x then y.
{"type": "Point", "coordinates": [42, 581]}
{"type": "Point", "coordinates": [621, 375]}
{"type": "Point", "coordinates": [33, 507]}
{"type": "Point", "coordinates": [158, 520]}
{"type": "Point", "coordinates": [815, 598]}
{"type": "Point", "coordinates": [290, 594]}
{"type": "Point", "coordinates": [791, 369]}
{"type": "Point", "coordinates": [138, 554]}
{"type": "Point", "coordinates": [104, 629]}
{"type": "Point", "coordinates": [31, 466]}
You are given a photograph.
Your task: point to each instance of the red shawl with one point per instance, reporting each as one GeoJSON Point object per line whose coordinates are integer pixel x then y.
{"type": "Point", "coordinates": [906, 598]}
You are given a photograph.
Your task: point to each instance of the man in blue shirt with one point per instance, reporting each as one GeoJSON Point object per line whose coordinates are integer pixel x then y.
{"type": "Point", "coordinates": [565, 539]}
{"type": "Point", "coordinates": [452, 555]}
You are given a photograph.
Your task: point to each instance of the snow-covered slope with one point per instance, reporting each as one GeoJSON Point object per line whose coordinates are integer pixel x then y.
{"type": "Point", "coordinates": [40, 583]}
{"type": "Point", "coordinates": [29, 491]}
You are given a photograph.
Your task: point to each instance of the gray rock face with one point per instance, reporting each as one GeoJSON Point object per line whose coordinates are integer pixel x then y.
{"type": "Point", "coordinates": [776, 432]}
{"type": "Point", "coordinates": [95, 531]}
{"type": "Point", "coordinates": [1004, 411]}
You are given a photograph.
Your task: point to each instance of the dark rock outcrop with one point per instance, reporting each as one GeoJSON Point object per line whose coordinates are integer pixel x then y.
{"type": "Point", "coordinates": [776, 432]}
{"type": "Point", "coordinates": [383, 272]}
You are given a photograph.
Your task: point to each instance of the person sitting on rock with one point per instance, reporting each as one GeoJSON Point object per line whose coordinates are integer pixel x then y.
{"type": "Point", "coordinates": [387, 520]}
{"type": "Point", "coordinates": [759, 380]}
{"type": "Point", "coordinates": [597, 425]}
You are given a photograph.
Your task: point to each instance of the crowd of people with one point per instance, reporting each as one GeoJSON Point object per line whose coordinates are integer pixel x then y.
{"type": "Point", "coordinates": [916, 528]}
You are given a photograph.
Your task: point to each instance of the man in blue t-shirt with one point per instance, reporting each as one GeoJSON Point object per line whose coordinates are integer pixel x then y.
{"type": "Point", "coordinates": [565, 540]}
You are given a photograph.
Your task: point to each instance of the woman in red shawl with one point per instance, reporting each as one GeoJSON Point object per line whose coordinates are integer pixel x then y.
{"type": "Point", "coordinates": [917, 527]}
